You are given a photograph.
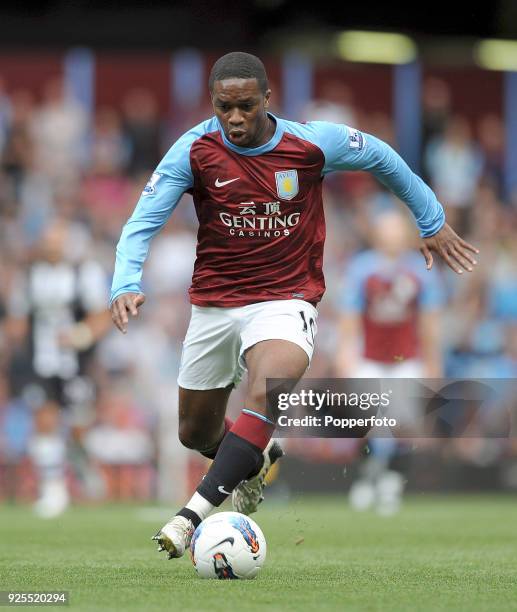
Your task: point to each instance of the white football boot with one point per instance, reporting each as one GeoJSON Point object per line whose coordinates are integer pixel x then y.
{"type": "Point", "coordinates": [249, 493]}
{"type": "Point", "coordinates": [175, 536]}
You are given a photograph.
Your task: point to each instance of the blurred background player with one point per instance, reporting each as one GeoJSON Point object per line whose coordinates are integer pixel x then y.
{"type": "Point", "coordinates": [57, 312]}
{"type": "Point", "coordinates": [389, 328]}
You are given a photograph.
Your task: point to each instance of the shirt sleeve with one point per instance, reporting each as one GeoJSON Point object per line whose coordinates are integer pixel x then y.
{"type": "Point", "coordinates": [160, 196]}
{"type": "Point", "coordinates": [346, 148]}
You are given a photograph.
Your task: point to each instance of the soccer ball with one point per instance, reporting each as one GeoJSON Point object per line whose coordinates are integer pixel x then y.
{"type": "Point", "coordinates": [228, 545]}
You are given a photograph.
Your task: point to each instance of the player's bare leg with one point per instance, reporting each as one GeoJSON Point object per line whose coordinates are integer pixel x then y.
{"type": "Point", "coordinates": [241, 452]}
{"type": "Point", "coordinates": [202, 423]}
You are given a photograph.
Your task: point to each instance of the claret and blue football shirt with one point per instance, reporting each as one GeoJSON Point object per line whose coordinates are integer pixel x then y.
{"type": "Point", "coordinates": [260, 210]}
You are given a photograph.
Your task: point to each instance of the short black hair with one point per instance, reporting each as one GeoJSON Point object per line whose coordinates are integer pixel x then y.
{"type": "Point", "coordinates": [239, 65]}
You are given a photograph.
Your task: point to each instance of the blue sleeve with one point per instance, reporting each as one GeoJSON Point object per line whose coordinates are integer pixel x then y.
{"type": "Point", "coordinates": [345, 148]}
{"type": "Point", "coordinates": [160, 196]}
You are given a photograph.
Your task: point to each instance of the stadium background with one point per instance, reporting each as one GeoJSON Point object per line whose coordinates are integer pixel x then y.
{"type": "Point", "coordinates": [87, 111]}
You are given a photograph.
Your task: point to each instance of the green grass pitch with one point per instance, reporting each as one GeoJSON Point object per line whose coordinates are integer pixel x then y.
{"type": "Point", "coordinates": [439, 553]}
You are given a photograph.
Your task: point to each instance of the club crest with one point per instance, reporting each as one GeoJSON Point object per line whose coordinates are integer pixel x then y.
{"type": "Point", "coordinates": [287, 184]}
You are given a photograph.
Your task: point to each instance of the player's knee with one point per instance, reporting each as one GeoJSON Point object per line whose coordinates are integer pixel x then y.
{"type": "Point", "coordinates": [194, 436]}
{"type": "Point", "coordinates": [256, 398]}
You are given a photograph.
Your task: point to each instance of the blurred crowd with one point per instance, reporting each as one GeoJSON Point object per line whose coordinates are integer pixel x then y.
{"type": "Point", "coordinates": [69, 181]}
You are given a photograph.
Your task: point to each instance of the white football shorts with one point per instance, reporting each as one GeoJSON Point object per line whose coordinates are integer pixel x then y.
{"type": "Point", "coordinates": [217, 338]}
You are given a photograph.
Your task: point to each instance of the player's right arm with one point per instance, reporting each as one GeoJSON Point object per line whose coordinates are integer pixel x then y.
{"type": "Point", "coordinates": [169, 181]}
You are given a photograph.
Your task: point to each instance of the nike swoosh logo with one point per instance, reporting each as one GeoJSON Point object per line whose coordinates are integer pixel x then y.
{"type": "Point", "coordinates": [230, 539]}
{"type": "Point", "coordinates": [219, 183]}
{"type": "Point", "coordinates": [222, 490]}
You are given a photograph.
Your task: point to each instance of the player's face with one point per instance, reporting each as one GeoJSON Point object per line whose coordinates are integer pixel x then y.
{"type": "Point", "coordinates": [240, 106]}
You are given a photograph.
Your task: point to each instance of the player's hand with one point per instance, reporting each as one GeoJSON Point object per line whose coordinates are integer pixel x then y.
{"type": "Point", "coordinates": [457, 253]}
{"type": "Point", "coordinates": [124, 304]}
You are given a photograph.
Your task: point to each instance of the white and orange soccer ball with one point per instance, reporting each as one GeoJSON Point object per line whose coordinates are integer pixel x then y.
{"type": "Point", "coordinates": [228, 545]}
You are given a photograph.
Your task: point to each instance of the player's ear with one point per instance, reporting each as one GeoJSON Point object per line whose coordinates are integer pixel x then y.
{"type": "Point", "coordinates": [266, 98]}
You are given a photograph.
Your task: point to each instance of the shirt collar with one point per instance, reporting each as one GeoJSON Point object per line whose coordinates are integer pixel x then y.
{"type": "Point", "coordinates": [265, 148]}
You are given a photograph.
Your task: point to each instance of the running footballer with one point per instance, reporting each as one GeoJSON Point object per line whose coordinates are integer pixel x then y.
{"type": "Point", "coordinates": [256, 182]}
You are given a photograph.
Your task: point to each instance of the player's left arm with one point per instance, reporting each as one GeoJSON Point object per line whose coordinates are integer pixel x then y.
{"type": "Point", "coordinates": [457, 253]}
{"type": "Point", "coordinates": [348, 149]}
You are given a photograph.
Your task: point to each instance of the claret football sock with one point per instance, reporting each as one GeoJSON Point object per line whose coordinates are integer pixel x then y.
{"type": "Point", "coordinates": [212, 452]}
{"type": "Point", "coordinates": [240, 454]}
{"type": "Point", "coordinates": [254, 427]}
